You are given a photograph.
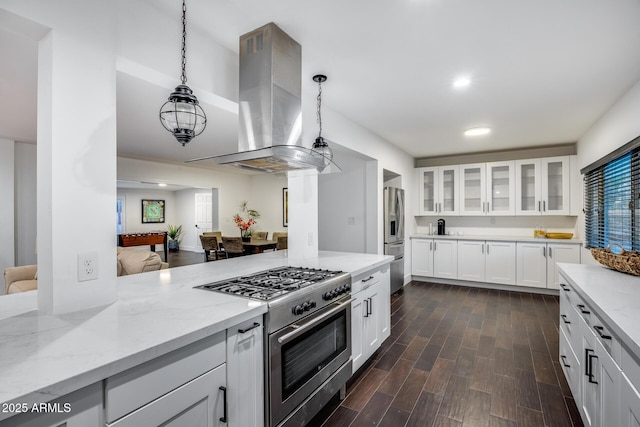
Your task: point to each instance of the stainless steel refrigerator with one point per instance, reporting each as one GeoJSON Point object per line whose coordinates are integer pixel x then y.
{"type": "Point", "coordinates": [394, 234]}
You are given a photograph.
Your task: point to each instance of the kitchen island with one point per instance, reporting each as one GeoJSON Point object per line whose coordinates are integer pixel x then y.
{"type": "Point", "coordinates": [43, 357]}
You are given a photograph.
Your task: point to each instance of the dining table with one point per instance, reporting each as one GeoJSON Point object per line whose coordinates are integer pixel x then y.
{"type": "Point", "coordinates": [257, 246]}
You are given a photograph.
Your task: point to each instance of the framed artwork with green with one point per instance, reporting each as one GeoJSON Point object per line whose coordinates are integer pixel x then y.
{"type": "Point", "coordinates": [152, 211]}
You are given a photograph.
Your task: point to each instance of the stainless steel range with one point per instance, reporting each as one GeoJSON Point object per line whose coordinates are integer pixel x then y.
{"type": "Point", "coordinates": [308, 345]}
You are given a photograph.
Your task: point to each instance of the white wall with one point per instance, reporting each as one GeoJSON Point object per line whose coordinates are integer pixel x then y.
{"type": "Point", "coordinates": [617, 127]}
{"type": "Point", "coordinates": [25, 204]}
{"type": "Point", "coordinates": [342, 218]}
{"type": "Point", "coordinates": [266, 197]}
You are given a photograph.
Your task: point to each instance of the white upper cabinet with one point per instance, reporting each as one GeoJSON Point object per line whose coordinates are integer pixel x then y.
{"type": "Point", "coordinates": [543, 186]}
{"type": "Point", "coordinates": [438, 188]}
{"type": "Point", "coordinates": [487, 189]}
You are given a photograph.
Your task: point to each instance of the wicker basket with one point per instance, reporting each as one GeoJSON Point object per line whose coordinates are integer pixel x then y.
{"type": "Point", "coordinates": [625, 261]}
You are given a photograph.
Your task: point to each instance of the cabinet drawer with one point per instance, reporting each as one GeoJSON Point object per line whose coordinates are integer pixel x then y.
{"type": "Point", "coordinates": [570, 325]}
{"type": "Point", "coordinates": [135, 387]}
{"type": "Point", "coordinates": [570, 365]}
{"type": "Point", "coordinates": [197, 403]}
{"type": "Point", "coordinates": [365, 280]}
{"type": "Point", "coordinates": [609, 342]}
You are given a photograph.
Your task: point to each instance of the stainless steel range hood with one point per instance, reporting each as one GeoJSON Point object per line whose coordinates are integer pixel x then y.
{"type": "Point", "coordinates": [269, 138]}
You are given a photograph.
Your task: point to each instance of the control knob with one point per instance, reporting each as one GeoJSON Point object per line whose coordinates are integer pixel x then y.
{"type": "Point", "coordinates": [297, 310]}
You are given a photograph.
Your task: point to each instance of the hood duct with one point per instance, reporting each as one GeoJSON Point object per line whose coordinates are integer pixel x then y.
{"type": "Point", "coordinates": [270, 134]}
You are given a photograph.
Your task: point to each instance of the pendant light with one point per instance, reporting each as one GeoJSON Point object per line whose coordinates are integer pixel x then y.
{"type": "Point", "coordinates": [181, 114]}
{"type": "Point", "coordinates": [320, 147]}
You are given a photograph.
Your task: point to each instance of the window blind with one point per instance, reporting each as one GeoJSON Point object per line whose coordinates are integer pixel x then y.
{"type": "Point", "coordinates": [610, 192]}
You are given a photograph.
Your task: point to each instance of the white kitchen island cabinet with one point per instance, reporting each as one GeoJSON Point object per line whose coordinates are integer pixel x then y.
{"type": "Point", "coordinates": [600, 343]}
{"type": "Point", "coordinates": [370, 314]}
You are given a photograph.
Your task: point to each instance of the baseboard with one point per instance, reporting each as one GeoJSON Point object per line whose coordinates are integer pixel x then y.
{"type": "Point", "coordinates": [496, 286]}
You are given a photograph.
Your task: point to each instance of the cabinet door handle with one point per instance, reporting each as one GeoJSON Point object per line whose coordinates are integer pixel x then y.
{"type": "Point", "coordinates": [564, 287]}
{"type": "Point", "coordinates": [487, 249]}
{"type": "Point", "coordinates": [255, 325]}
{"type": "Point", "coordinates": [544, 251]}
{"type": "Point", "coordinates": [590, 358]}
{"type": "Point", "coordinates": [224, 418]}
{"type": "Point", "coordinates": [600, 331]}
{"type": "Point", "coordinates": [366, 310]}
{"type": "Point", "coordinates": [583, 309]}
{"type": "Point", "coordinates": [564, 362]}
{"type": "Point", "coordinates": [431, 246]}
{"type": "Point", "coordinates": [434, 246]}
{"type": "Point", "coordinates": [550, 253]}
{"type": "Point", "coordinates": [367, 279]}
{"type": "Point", "coordinates": [539, 206]}
{"type": "Point", "coordinates": [587, 368]}
{"type": "Point", "coordinates": [544, 206]}
{"type": "Point", "coordinates": [370, 306]}
{"type": "Point", "coordinates": [488, 207]}
{"type": "Point", "coordinates": [564, 319]}
{"type": "Point", "coordinates": [483, 249]}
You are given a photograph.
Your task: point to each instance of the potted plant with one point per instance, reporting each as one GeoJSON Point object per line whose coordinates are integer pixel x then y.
{"type": "Point", "coordinates": [174, 232]}
{"type": "Point", "coordinates": [245, 220]}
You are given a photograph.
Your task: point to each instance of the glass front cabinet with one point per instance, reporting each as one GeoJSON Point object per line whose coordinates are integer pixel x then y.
{"type": "Point", "coordinates": [487, 189]}
{"type": "Point", "coordinates": [542, 186]}
{"type": "Point", "coordinates": [438, 187]}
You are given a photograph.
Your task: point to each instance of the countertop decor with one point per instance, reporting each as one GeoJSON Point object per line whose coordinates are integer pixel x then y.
{"type": "Point", "coordinates": [246, 219]}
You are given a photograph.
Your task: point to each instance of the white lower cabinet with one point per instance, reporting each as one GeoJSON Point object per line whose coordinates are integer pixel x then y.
{"type": "Point", "coordinates": [370, 315]}
{"type": "Point", "coordinates": [445, 258]}
{"type": "Point", "coordinates": [487, 261]}
{"type": "Point", "coordinates": [434, 258]}
{"type": "Point", "coordinates": [217, 381]}
{"type": "Point", "coordinates": [198, 403]}
{"type": "Point", "coordinates": [245, 374]}
{"type": "Point", "coordinates": [536, 262]}
{"type": "Point", "coordinates": [422, 257]}
{"type": "Point", "coordinates": [590, 356]}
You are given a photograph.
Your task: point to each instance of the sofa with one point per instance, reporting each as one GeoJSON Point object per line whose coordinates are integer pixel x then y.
{"type": "Point", "coordinates": [130, 261]}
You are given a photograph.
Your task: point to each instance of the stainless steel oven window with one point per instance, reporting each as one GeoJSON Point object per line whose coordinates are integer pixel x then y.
{"type": "Point", "coordinates": [307, 355]}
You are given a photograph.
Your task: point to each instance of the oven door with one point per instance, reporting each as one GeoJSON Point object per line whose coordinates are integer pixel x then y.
{"type": "Point", "coordinates": [302, 356]}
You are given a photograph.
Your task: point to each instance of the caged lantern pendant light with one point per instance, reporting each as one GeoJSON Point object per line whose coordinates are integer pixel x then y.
{"type": "Point", "coordinates": [320, 146]}
{"type": "Point", "coordinates": [181, 114]}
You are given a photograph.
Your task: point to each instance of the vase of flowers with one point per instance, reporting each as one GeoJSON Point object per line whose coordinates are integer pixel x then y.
{"type": "Point", "coordinates": [245, 219]}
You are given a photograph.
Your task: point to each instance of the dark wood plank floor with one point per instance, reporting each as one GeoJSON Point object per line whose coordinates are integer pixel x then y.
{"type": "Point", "coordinates": [461, 356]}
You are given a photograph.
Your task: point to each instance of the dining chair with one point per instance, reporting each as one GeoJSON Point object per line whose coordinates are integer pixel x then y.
{"type": "Point", "coordinates": [277, 234]}
{"type": "Point", "coordinates": [217, 234]}
{"type": "Point", "coordinates": [259, 235]}
{"type": "Point", "coordinates": [233, 246]}
{"type": "Point", "coordinates": [209, 244]}
{"type": "Point", "coordinates": [282, 243]}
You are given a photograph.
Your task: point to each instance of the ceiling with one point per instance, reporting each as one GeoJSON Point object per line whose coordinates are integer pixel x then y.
{"type": "Point", "coordinates": [541, 71]}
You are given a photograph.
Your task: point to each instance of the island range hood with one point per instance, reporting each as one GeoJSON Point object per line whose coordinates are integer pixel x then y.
{"type": "Point", "coordinates": [270, 134]}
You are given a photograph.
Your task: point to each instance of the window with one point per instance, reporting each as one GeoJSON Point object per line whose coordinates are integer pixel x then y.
{"type": "Point", "coordinates": [611, 213]}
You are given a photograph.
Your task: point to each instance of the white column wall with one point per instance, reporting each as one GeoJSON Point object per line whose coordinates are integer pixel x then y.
{"type": "Point", "coordinates": [25, 203]}
{"type": "Point", "coordinates": [76, 149]}
{"type": "Point", "coordinates": [7, 225]}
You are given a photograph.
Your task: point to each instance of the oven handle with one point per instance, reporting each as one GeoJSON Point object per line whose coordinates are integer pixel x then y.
{"type": "Point", "coordinates": [300, 329]}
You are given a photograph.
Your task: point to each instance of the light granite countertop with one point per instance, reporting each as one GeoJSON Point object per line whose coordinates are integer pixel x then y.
{"type": "Point", "coordinates": [43, 357]}
{"type": "Point", "coordinates": [496, 238]}
{"type": "Point", "coordinates": [611, 294]}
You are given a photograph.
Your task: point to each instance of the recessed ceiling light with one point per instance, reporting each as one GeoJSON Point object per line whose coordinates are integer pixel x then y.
{"type": "Point", "coordinates": [162, 184]}
{"type": "Point", "coordinates": [461, 82]}
{"type": "Point", "coordinates": [477, 131]}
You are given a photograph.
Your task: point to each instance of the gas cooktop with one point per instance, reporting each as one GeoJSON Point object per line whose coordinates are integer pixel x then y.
{"type": "Point", "coordinates": [271, 284]}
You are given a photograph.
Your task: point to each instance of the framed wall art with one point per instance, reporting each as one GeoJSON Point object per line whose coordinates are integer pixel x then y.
{"type": "Point", "coordinates": [152, 211]}
{"type": "Point", "coordinates": [285, 207]}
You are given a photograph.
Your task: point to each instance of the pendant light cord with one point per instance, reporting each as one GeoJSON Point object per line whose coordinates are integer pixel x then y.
{"type": "Point", "coordinates": [183, 51]}
{"type": "Point", "coordinates": [318, 113]}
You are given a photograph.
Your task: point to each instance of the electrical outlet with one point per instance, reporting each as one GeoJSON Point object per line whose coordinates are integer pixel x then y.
{"type": "Point", "coordinates": [310, 238]}
{"type": "Point", "coordinates": [351, 220]}
{"type": "Point", "coordinates": [87, 266]}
